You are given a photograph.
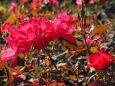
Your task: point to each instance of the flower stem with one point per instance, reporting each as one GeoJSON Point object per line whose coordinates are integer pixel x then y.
{"type": "Point", "coordinates": [83, 26]}
{"type": "Point", "coordinates": [50, 57]}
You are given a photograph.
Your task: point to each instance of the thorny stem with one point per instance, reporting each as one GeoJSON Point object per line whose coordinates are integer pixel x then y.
{"type": "Point", "coordinates": [50, 57]}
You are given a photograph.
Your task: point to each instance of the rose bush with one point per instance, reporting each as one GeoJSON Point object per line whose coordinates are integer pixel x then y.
{"type": "Point", "coordinates": [41, 44]}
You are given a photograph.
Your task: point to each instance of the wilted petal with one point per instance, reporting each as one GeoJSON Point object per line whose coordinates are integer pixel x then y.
{"type": "Point", "coordinates": [70, 39]}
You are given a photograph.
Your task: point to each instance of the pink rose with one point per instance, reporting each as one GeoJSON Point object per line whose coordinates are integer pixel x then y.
{"type": "Point", "coordinates": [13, 6]}
{"type": "Point", "coordinates": [44, 31]}
{"type": "Point", "coordinates": [63, 27]}
{"type": "Point", "coordinates": [22, 38]}
{"type": "Point", "coordinates": [91, 1]}
{"type": "Point", "coordinates": [35, 4]}
{"type": "Point", "coordinates": [8, 54]}
{"type": "Point", "coordinates": [79, 2]}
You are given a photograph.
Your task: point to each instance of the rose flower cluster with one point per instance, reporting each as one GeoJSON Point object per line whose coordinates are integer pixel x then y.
{"type": "Point", "coordinates": [36, 33]}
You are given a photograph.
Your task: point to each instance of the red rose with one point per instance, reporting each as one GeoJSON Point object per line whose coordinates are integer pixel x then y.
{"type": "Point", "coordinates": [99, 60]}
{"type": "Point", "coordinates": [63, 27]}
{"type": "Point", "coordinates": [54, 2]}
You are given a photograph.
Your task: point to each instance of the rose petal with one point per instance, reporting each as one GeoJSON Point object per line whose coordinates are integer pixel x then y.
{"type": "Point", "coordinates": [8, 54]}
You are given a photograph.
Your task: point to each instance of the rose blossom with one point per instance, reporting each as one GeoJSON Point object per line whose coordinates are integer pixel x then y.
{"type": "Point", "coordinates": [99, 60]}
{"type": "Point", "coordinates": [63, 27]}
{"type": "Point", "coordinates": [91, 1]}
{"type": "Point", "coordinates": [35, 4]}
{"type": "Point", "coordinates": [53, 2]}
{"type": "Point", "coordinates": [79, 2]}
{"type": "Point", "coordinates": [13, 6]}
